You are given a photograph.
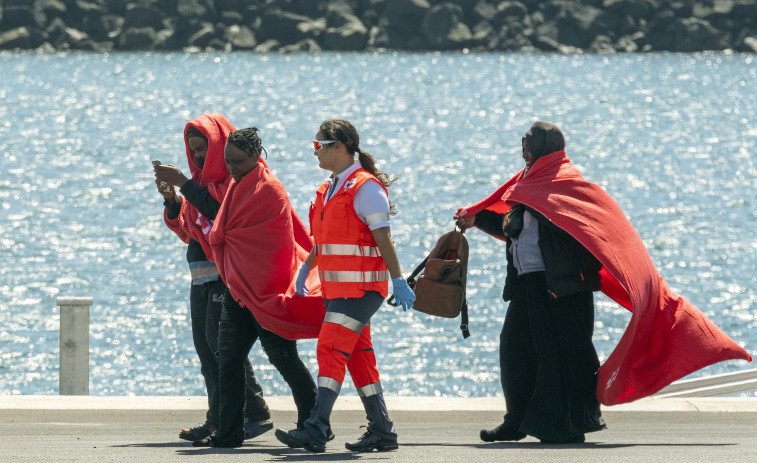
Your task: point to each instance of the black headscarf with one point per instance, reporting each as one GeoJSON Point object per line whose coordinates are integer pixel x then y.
{"type": "Point", "coordinates": [544, 138]}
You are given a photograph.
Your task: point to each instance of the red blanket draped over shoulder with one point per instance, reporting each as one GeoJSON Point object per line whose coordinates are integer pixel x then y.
{"type": "Point", "coordinates": [258, 243]}
{"type": "Point", "coordinates": [191, 223]}
{"type": "Point", "coordinates": [667, 337]}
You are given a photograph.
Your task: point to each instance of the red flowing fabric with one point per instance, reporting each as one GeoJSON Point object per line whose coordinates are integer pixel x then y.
{"type": "Point", "coordinates": [214, 176]}
{"type": "Point", "coordinates": [667, 337]}
{"type": "Point", "coordinates": [259, 243]}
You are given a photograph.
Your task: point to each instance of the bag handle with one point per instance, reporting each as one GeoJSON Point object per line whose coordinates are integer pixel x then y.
{"type": "Point", "coordinates": [416, 272]}
{"type": "Point", "coordinates": [411, 283]}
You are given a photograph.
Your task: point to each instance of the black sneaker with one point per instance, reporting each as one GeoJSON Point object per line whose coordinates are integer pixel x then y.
{"type": "Point", "coordinates": [253, 429]}
{"type": "Point", "coordinates": [212, 441]}
{"type": "Point", "coordinates": [501, 432]}
{"type": "Point", "coordinates": [369, 442]}
{"type": "Point", "coordinates": [199, 432]}
{"type": "Point", "coordinates": [299, 438]}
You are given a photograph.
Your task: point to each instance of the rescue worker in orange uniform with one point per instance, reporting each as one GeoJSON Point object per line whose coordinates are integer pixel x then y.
{"type": "Point", "coordinates": [356, 259]}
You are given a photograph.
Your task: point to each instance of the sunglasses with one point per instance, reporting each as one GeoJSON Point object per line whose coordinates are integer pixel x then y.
{"type": "Point", "coordinates": [320, 144]}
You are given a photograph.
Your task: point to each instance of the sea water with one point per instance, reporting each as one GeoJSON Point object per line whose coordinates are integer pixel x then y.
{"type": "Point", "coordinates": [672, 137]}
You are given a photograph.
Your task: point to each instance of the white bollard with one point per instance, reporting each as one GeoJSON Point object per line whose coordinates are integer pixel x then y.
{"type": "Point", "coordinates": [74, 345]}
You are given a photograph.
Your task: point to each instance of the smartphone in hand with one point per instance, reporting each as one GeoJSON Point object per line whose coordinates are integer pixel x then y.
{"type": "Point", "coordinates": [164, 187]}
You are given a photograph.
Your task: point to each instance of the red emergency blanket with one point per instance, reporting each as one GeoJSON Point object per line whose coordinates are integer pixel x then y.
{"type": "Point", "coordinates": [259, 243]}
{"type": "Point", "coordinates": [667, 337]}
{"type": "Point", "coordinates": [191, 223]}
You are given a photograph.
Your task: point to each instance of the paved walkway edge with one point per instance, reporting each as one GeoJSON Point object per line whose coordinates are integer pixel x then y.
{"type": "Point", "coordinates": [51, 402]}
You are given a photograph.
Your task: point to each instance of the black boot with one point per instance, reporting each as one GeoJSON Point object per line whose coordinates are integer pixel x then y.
{"type": "Point", "coordinates": [319, 425]}
{"type": "Point", "coordinates": [503, 432]}
{"type": "Point", "coordinates": [378, 417]}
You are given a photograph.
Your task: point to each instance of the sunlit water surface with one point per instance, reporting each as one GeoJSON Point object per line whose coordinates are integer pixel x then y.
{"type": "Point", "coordinates": [671, 137]}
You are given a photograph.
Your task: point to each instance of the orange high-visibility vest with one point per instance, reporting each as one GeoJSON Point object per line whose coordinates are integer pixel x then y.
{"type": "Point", "coordinates": [349, 262]}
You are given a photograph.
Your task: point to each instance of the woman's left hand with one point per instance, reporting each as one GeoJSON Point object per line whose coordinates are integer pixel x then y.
{"type": "Point", "coordinates": [465, 222]}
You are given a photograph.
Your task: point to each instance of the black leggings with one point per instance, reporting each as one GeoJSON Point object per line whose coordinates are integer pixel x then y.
{"type": "Point", "coordinates": [206, 306]}
{"type": "Point", "coordinates": [238, 331]}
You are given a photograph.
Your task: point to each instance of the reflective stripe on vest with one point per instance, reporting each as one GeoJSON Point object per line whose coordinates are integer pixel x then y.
{"type": "Point", "coordinates": [352, 276]}
{"type": "Point", "coordinates": [347, 250]}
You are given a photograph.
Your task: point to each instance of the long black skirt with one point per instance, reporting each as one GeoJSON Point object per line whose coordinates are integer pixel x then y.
{"type": "Point", "coordinates": [549, 364]}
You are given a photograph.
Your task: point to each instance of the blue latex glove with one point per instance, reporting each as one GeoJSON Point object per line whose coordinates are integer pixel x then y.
{"type": "Point", "coordinates": [402, 293]}
{"type": "Point", "coordinates": [303, 290]}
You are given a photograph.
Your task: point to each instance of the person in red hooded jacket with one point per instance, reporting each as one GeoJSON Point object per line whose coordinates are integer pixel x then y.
{"type": "Point", "coordinates": [191, 218]}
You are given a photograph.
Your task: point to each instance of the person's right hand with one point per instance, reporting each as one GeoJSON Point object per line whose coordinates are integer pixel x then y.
{"type": "Point", "coordinates": [170, 195]}
{"type": "Point", "coordinates": [465, 222]}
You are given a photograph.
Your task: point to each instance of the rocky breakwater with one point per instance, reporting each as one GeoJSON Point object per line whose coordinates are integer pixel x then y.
{"type": "Point", "coordinates": [566, 26]}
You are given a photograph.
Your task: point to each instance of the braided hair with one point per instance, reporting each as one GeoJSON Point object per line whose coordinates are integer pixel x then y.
{"type": "Point", "coordinates": [341, 130]}
{"type": "Point", "coordinates": [248, 141]}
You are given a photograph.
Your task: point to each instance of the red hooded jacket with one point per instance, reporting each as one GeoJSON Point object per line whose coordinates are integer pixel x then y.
{"type": "Point", "coordinates": [214, 176]}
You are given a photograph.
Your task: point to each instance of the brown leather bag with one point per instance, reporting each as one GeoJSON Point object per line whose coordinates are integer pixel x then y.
{"type": "Point", "coordinates": [440, 288]}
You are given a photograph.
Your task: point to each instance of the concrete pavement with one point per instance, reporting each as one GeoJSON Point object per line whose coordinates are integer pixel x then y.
{"type": "Point", "coordinates": [145, 429]}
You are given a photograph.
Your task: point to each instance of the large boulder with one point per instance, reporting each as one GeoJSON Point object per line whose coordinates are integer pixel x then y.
{"type": "Point", "coordinates": [663, 30]}
{"type": "Point", "coordinates": [578, 26]}
{"type": "Point", "coordinates": [616, 19]}
{"type": "Point", "coordinates": [103, 27]}
{"type": "Point", "coordinates": [16, 16]}
{"type": "Point", "coordinates": [400, 23]}
{"type": "Point", "coordinates": [202, 36]}
{"type": "Point", "coordinates": [18, 38]}
{"type": "Point", "coordinates": [509, 11]}
{"type": "Point", "coordinates": [670, 33]}
{"type": "Point", "coordinates": [241, 38]}
{"type": "Point", "coordinates": [483, 11]}
{"type": "Point", "coordinates": [51, 8]}
{"type": "Point", "coordinates": [697, 34]}
{"type": "Point", "coordinates": [288, 28]}
{"type": "Point", "coordinates": [141, 16]}
{"type": "Point", "coordinates": [444, 29]}
{"type": "Point", "coordinates": [351, 35]}
{"type": "Point", "coordinates": [62, 36]}
{"type": "Point", "coordinates": [203, 10]}
{"type": "Point", "coordinates": [544, 36]}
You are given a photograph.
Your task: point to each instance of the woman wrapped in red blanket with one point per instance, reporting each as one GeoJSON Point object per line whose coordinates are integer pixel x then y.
{"type": "Point", "coordinates": [566, 238]}
{"type": "Point", "coordinates": [258, 243]}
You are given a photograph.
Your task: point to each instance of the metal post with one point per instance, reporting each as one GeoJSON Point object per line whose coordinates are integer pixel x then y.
{"type": "Point", "coordinates": [74, 345]}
